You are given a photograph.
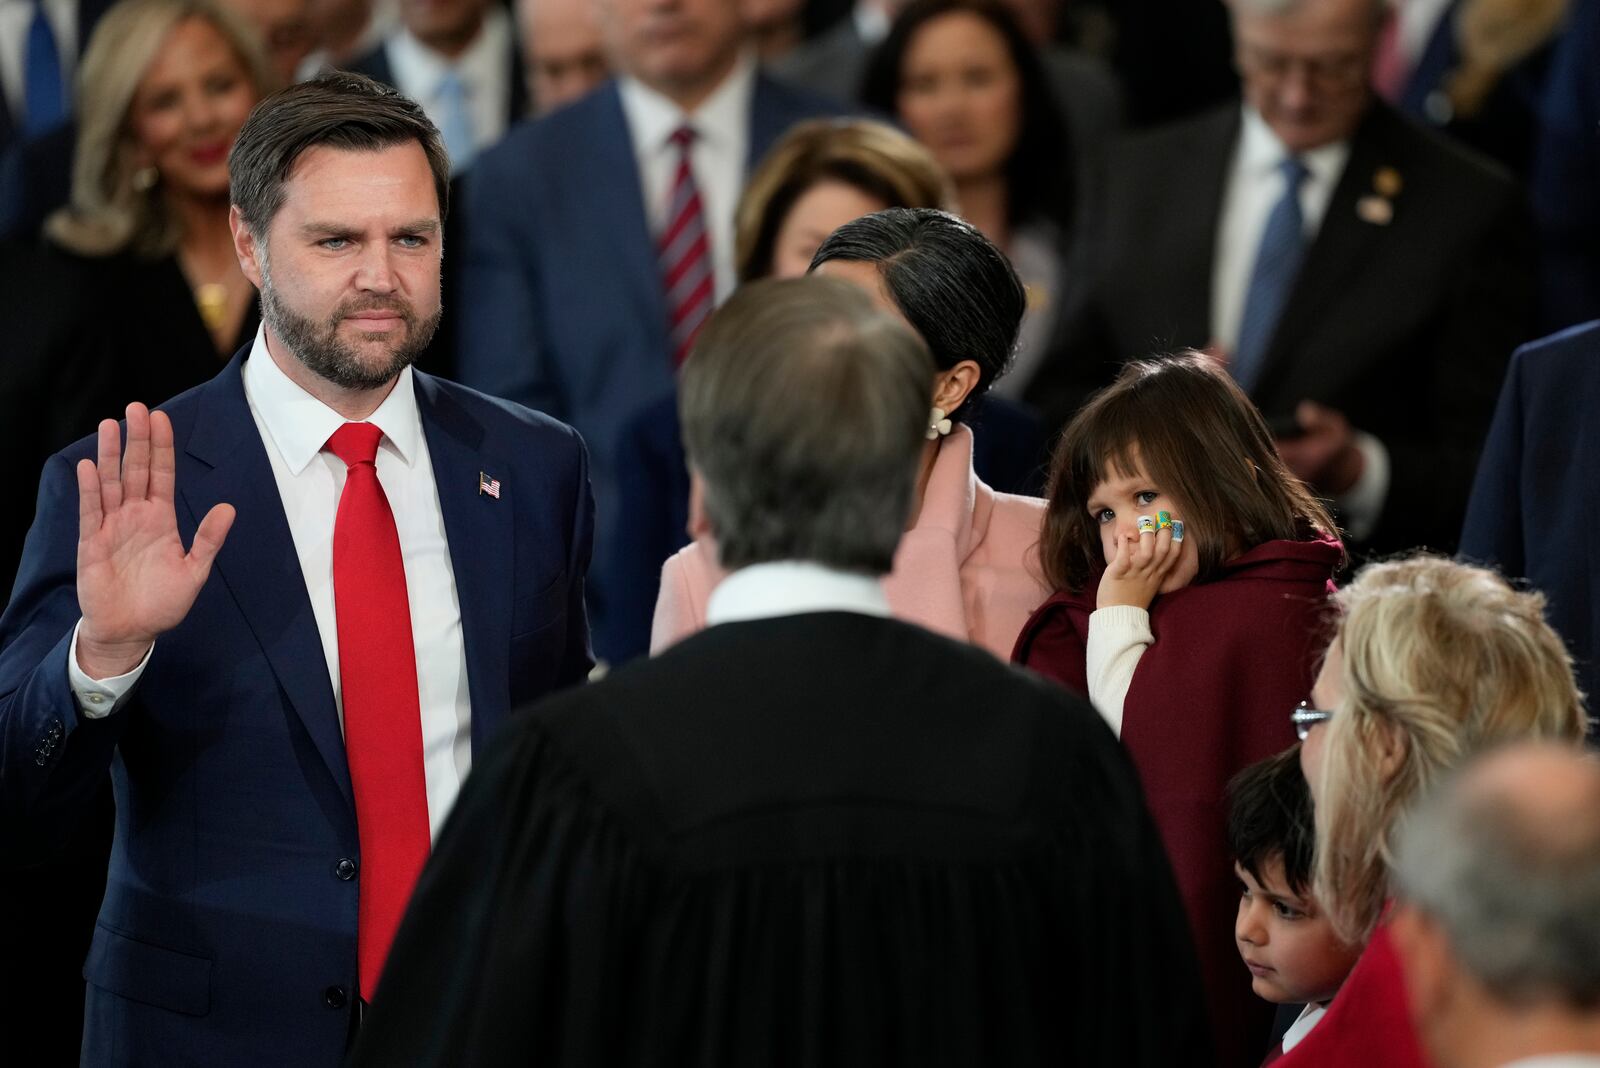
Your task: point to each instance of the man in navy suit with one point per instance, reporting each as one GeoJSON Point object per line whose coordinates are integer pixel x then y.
{"type": "Point", "coordinates": [1538, 488]}
{"type": "Point", "coordinates": [571, 310]}
{"type": "Point", "coordinates": [380, 566]}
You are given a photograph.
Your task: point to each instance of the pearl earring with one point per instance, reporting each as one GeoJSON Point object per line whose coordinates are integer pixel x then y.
{"type": "Point", "coordinates": [938, 425]}
{"type": "Point", "coordinates": [145, 179]}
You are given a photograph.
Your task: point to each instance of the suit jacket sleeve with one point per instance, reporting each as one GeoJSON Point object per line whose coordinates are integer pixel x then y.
{"type": "Point", "coordinates": [501, 348]}
{"type": "Point", "coordinates": [52, 760]}
{"type": "Point", "coordinates": [1487, 317]}
{"type": "Point", "coordinates": [578, 657]}
{"type": "Point", "coordinates": [1493, 530]}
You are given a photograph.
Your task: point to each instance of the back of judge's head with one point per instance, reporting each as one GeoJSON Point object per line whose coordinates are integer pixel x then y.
{"type": "Point", "coordinates": [1498, 872]}
{"type": "Point", "coordinates": [804, 409]}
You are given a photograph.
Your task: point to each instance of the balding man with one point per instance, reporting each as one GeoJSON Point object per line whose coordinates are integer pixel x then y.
{"type": "Point", "coordinates": [1363, 279]}
{"type": "Point", "coordinates": [1499, 927]}
{"type": "Point", "coordinates": [565, 52]}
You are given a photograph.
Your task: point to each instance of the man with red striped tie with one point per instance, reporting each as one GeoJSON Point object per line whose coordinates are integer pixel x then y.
{"type": "Point", "coordinates": [600, 237]}
{"type": "Point", "coordinates": [288, 613]}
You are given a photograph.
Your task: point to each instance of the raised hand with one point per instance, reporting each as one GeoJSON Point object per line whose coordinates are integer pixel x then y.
{"type": "Point", "coordinates": [1144, 565]}
{"type": "Point", "coordinates": [135, 581]}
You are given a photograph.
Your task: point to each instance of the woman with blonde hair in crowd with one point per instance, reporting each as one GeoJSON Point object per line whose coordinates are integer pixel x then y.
{"type": "Point", "coordinates": [1434, 661]}
{"type": "Point", "coordinates": [165, 87]}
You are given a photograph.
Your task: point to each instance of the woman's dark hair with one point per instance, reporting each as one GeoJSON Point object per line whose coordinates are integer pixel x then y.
{"type": "Point", "coordinates": [1269, 815]}
{"type": "Point", "coordinates": [953, 286]}
{"type": "Point", "coordinates": [1198, 438]}
{"type": "Point", "coordinates": [1039, 178]}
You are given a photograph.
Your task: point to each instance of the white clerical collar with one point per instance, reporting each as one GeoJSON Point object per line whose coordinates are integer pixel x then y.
{"type": "Point", "coordinates": [653, 118]}
{"type": "Point", "coordinates": [300, 424]}
{"type": "Point", "coordinates": [791, 588]}
{"type": "Point", "coordinates": [1260, 152]}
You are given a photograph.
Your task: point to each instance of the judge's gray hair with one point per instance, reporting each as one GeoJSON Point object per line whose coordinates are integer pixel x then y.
{"type": "Point", "coordinates": [804, 410]}
{"type": "Point", "coordinates": [1380, 8]}
{"type": "Point", "coordinates": [1513, 876]}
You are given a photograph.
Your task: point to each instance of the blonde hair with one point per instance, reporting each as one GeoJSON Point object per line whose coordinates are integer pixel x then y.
{"type": "Point", "coordinates": [1494, 36]}
{"type": "Point", "coordinates": [1440, 661]}
{"type": "Point", "coordinates": [105, 214]}
{"type": "Point", "coordinates": [870, 156]}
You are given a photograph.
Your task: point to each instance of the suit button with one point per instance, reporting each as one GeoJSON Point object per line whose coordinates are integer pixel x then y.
{"type": "Point", "coordinates": [345, 869]}
{"type": "Point", "coordinates": [334, 996]}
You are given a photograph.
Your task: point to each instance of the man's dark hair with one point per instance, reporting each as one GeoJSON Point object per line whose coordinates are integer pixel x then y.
{"type": "Point", "coordinates": [952, 284]}
{"type": "Point", "coordinates": [1269, 815]}
{"type": "Point", "coordinates": [347, 111]}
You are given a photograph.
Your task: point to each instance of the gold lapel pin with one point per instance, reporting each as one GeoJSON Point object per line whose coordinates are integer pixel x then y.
{"type": "Point", "coordinates": [1387, 182]}
{"type": "Point", "coordinates": [1375, 210]}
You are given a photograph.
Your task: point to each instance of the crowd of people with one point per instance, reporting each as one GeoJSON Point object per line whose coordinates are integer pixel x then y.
{"type": "Point", "coordinates": [766, 531]}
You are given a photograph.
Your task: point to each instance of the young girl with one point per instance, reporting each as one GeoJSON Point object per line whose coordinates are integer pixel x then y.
{"type": "Point", "coordinates": [1192, 573]}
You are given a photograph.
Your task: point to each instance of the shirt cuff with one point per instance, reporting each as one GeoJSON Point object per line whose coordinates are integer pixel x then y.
{"type": "Point", "coordinates": [1362, 505]}
{"type": "Point", "coordinates": [98, 698]}
{"type": "Point", "coordinates": [1118, 637]}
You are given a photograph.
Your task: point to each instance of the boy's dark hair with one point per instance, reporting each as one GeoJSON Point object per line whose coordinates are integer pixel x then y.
{"type": "Point", "coordinates": [1201, 440]}
{"type": "Point", "coordinates": [1269, 815]}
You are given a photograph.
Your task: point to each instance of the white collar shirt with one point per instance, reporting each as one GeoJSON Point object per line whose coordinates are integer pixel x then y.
{"type": "Point", "coordinates": [16, 18]}
{"type": "Point", "coordinates": [718, 156]}
{"type": "Point", "coordinates": [484, 69]}
{"type": "Point", "coordinates": [791, 588]}
{"type": "Point", "coordinates": [294, 428]}
{"type": "Point", "coordinates": [1254, 187]}
{"type": "Point", "coordinates": [1302, 1025]}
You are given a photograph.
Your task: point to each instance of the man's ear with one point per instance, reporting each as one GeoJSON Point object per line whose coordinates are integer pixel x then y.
{"type": "Point", "coordinates": [244, 246]}
{"type": "Point", "coordinates": [1427, 965]}
{"type": "Point", "coordinates": [699, 523]}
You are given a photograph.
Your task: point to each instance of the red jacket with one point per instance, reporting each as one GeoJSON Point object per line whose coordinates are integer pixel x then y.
{"type": "Point", "coordinates": [1231, 659]}
{"type": "Point", "coordinates": [1369, 1021]}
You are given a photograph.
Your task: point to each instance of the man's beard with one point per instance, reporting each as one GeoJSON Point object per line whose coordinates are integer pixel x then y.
{"type": "Point", "coordinates": [318, 347]}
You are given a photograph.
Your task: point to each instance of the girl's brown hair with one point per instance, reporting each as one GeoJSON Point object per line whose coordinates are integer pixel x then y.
{"type": "Point", "coordinates": [1199, 439]}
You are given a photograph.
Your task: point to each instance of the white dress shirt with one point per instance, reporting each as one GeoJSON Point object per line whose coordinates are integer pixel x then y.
{"type": "Point", "coordinates": [16, 17]}
{"type": "Point", "coordinates": [484, 69]}
{"type": "Point", "coordinates": [1303, 1025]}
{"type": "Point", "coordinates": [792, 588]}
{"type": "Point", "coordinates": [718, 156]}
{"type": "Point", "coordinates": [294, 428]}
{"type": "Point", "coordinates": [1254, 187]}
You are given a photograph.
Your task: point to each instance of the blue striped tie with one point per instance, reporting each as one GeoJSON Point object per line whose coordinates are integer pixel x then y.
{"type": "Point", "coordinates": [44, 96]}
{"type": "Point", "coordinates": [1283, 245]}
{"type": "Point", "coordinates": [455, 122]}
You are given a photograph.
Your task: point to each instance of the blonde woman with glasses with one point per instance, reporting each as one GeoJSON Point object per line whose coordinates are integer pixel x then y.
{"type": "Point", "coordinates": [1434, 661]}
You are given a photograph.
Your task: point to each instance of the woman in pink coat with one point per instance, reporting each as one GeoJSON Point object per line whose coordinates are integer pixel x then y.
{"type": "Point", "coordinates": [968, 566]}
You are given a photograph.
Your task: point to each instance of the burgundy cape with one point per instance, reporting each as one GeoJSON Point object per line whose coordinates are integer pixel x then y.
{"type": "Point", "coordinates": [1231, 659]}
{"type": "Point", "coordinates": [1369, 1021]}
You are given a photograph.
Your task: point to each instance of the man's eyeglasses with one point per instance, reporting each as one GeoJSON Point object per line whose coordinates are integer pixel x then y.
{"type": "Point", "coordinates": [1333, 73]}
{"type": "Point", "coordinates": [1304, 717]}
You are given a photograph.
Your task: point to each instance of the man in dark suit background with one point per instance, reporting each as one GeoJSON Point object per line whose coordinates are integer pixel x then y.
{"type": "Point", "coordinates": [1369, 314]}
{"type": "Point", "coordinates": [810, 834]}
{"type": "Point", "coordinates": [582, 314]}
{"type": "Point", "coordinates": [1538, 487]}
{"type": "Point", "coordinates": [382, 564]}
{"type": "Point", "coordinates": [459, 60]}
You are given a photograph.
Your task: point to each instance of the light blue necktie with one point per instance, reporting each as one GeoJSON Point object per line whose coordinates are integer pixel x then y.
{"type": "Point", "coordinates": [1283, 245]}
{"type": "Point", "coordinates": [44, 100]}
{"type": "Point", "coordinates": [455, 121]}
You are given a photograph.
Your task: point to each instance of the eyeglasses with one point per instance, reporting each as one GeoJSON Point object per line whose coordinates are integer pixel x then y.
{"type": "Point", "coordinates": [1304, 717]}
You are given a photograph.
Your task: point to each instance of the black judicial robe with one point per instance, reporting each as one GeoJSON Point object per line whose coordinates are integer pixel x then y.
{"type": "Point", "coordinates": [823, 839]}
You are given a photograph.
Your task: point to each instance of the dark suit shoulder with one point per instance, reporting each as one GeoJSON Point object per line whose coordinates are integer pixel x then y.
{"type": "Point", "coordinates": [374, 64]}
{"type": "Point", "coordinates": [1175, 141]}
{"type": "Point", "coordinates": [495, 413]}
{"type": "Point", "coordinates": [1568, 357]}
{"type": "Point", "coordinates": [1445, 160]}
{"type": "Point", "coordinates": [779, 98]}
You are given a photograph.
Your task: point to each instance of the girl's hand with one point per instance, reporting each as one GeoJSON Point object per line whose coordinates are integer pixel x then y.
{"type": "Point", "coordinates": [1140, 568]}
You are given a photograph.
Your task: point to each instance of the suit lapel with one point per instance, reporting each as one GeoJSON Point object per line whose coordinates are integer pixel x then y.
{"type": "Point", "coordinates": [1344, 242]}
{"type": "Point", "coordinates": [1193, 220]}
{"type": "Point", "coordinates": [478, 528]}
{"type": "Point", "coordinates": [224, 461]}
{"type": "Point", "coordinates": [609, 194]}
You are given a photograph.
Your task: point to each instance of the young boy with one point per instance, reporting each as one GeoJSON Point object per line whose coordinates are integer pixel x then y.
{"type": "Point", "coordinates": [1285, 939]}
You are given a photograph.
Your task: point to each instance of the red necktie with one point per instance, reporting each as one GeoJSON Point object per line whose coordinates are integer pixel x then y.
{"type": "Point", "coordinates": [685, 255]}
{"type": "Point", "coordinates": [382, 716]}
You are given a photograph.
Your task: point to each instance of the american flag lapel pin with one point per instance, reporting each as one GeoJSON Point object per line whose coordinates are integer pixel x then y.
{"type": "Point", "coordinates": [488, 485]}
